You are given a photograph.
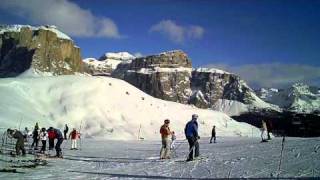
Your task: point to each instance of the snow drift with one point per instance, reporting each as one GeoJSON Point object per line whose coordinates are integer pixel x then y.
{"type": "Point", "coordinates": [102, 107]}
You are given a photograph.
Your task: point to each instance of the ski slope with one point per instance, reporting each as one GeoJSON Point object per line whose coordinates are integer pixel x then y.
{"type": "Point", "coordinates": [230, 157]}
{"type": "Point", "coordinates": [102, 107]}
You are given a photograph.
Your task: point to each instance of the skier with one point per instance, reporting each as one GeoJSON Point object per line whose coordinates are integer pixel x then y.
{"type": "Point", "coordinates": [74, 135]}
{"type": "Point", "coordinates": [191, 132]}
{"type": "Point", "coordinates": [65, 131]}
{"type": "Point", "coordinates": [165, 133]}
{"type": "Point", "coordinates": [213, 134]}
{"type": "Point", "coordinates": [26, 134]}
{"type": "Point", "coordinates": [20, 140]}
{"type": "Point", "coordinates": [43, 137]}
{"type": "Point", "coordinates": [35, 137]}
{"type": "Point", "coordinates": [51, 137]}
{"type": "Point", "coordinates": [269, 128]}
{"type": "Point", "coordinates": [263, 131]}
{"type": "Point", "coordinates": [173, 140]}
{"type": "Point", "coordinates": [59, 137]}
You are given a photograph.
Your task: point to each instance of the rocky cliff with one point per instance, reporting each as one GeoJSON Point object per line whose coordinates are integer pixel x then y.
{"type": "Point", "coordinates": [42, 48]}
{"type": "Point", "coordinates": [166, 75]}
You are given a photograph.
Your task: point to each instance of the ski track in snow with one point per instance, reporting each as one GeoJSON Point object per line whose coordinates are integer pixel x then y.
{"type": "Point", "coordinates": [230, 157]}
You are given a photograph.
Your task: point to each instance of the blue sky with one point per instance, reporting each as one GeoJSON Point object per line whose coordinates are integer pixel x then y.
{"type": "Point", "coordinates": [233, 35]}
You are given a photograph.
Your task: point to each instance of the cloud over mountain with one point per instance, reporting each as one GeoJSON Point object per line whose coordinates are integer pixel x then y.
{"type": "Point", "coordinates": [177, 33]}
{"type": "Point", "coordinates": [67, 15]}
{"type": "Point", "coordinates": [275, 74]}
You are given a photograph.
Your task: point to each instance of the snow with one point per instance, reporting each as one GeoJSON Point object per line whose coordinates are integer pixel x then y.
{"type": "Point", "coordinates": [104, 106]}
{"type": "Point", "coordinates": [230, 157]}
{"type": "Point", "coordinates": [17, 28]}
{"type": "Point", "coordinates": [122, 56]}
{"type": "Point", "coordinates": [159, 69]}
{"type": "Point", "coordinates": [211, 70]}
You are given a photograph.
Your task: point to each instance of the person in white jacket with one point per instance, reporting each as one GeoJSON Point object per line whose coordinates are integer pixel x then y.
{"type": "Point", "coordinates": [264, 131]}
{"type": "Point", "coordinates": [43, 138]}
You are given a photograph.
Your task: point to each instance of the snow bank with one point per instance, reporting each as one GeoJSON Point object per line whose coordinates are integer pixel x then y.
{"type": "Point", "coordinates": [102, 107]}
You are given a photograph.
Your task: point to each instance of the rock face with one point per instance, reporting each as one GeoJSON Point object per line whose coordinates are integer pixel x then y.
{"type": "Point", "coordinates": [216, 84]}
{"type": "Point", "coordinates": [42, 48]}
{"type": "Point", "coordinates": [165, 76]}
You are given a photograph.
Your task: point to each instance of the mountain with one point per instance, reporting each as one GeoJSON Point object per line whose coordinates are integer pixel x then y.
{"type": "Point", "coordinates": [102, 107]}
{"type": "Point", "coordinates": [43, 48]}
{"type": "Point", "coordinates": [169, 76]}
{"type": "Point", "coordinates": [299, 98]}
{"type": "Point", "coordinates": [106, 63]}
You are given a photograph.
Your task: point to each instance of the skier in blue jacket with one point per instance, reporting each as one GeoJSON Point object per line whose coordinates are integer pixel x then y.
{"type": "Point", "coordinates": [191, 132]}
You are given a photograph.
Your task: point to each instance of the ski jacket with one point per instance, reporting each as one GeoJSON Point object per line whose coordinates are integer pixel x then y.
{"type": "Point", "coordinates": [191, 129]}
{"type": "Point", "coordinates": [17, 135]}
{"type": "Point", "coordinates": [73, 134]}
{"type": "Point", "coordinates": [213, 133]}
{"type": "Point", "coordinates": [51, 134]}
{"type": "Point", "coordinates": [264, 126]}
{"type": "Point", "coordinates": [66, 129]}
{"type": "Point", "coordinates": [43, 136]}
{"type": "Point", "coordinates": [58, 134]}
{"type": "Point", "coordinates": [165, 131]}
{"type": "Point", "coordinates": [35, 134]}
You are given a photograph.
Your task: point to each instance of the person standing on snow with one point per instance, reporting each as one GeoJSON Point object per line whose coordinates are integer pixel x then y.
{"type": "Point", "coordinates": [173, 140]}
{"type": "Point", "coordinates": [51, 137]}
{"type": "Point", "coordinates": [165, 133]}
{"type": "Point", "coordinates": [59, 137]}
{"type": "Point", "coordinates": [213, 134]}
{"type": "Point", "coordinates": [264, 131]}
{"type": "Point", "coordinates": [35, 137]}
{"type": "Point", "coordinates": [74, 136]}
{"type": "Point", "coordinates": [269, 128]}
{"type": "Point", "coordinates": [43, 138]}
{"type": "Point", "coordinates": [20, 140]}
{"type": "Point", "coordinates": [191, 132]}
{"type": "Point", "coordinates": [65, 131]}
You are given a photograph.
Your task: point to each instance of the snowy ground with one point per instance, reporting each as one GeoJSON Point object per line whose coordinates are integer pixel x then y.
{"type": "Point", "coordinates": [229, 157]}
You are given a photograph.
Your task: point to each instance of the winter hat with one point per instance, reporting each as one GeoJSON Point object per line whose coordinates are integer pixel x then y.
{"type": "Point", "coordinates": [167, 121]}
{"type": "Point", "coordinates": [195, 116]}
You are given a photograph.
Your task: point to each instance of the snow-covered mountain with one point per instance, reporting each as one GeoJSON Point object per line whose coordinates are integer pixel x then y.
{"type": "Point", "coordinates": [103, 107]}
{"type": "Point", "coordinates": [298, 98]}
{"type": "Point", "coordinates": [106, 63]}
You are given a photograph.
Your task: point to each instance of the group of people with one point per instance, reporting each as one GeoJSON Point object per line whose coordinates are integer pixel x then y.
{"type": "Point", "coordinates": [191, 133]}
{"type": "Point", "coordinates": [43, 134]}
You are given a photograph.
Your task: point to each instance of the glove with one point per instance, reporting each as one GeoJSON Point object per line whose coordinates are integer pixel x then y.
{"type": "Point", "coordinates": [198, 137]}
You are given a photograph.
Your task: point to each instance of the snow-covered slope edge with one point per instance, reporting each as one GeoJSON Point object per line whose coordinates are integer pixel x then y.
{"type": "Point", "coordinates": [103, 107]}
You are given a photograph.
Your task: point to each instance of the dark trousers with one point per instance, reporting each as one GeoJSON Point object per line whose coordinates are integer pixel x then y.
{"type": "Point", "coordinates": [20, 146]}
{"type": "Point", "coordinates": [193, 146]}
{"type": "Point", "coordinates": [44, 143]}
{"type": "Point", "coordinates": [35, 141]}
{"type": "Point", "coordinates": [51, 143]}
{"type": "Point", "coordinates": [58, 148]}
{"type": "Point", "coordinates": [213, 136]}
{"type": "Point", "coordinates": [65, 134]}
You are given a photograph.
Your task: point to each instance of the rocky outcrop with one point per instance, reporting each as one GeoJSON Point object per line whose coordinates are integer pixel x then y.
{"type": "Point", "coordinates": [216, 84]}
{"type": "Point", "coordinates": [42, 48]}
{"type": "Point", "coordinates": [165, 76]}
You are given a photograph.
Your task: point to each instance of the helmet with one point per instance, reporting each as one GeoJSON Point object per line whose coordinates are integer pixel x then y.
{"type": "Point", "coordinates": [166, 121]}
{"type": "Point", "coordinates": [195, 116]}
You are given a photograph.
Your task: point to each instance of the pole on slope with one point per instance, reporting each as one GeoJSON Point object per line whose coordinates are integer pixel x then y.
{"type": "Point", "coordinates": [281, 156]}
{"type": "Point", "coordinates": [80, 135]}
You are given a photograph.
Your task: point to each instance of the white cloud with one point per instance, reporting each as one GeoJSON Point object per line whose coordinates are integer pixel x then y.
{"type": "Point", "coordinates": [67, 16]}
{"type": "Point", "coordinates": [274, 75]}
{"type": "Point", "coordinates": [178, 33]}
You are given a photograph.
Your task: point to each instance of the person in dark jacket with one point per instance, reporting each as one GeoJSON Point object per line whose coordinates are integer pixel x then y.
{"type": "Point", "coordinates": [65, 131]}
{"type": "Point", "coordinates": [269, 128]}
{"type": "Point", "coordinates": [59, 137]}
{"type": "Point", "coordinates": [191, 132]}
{"type": "Point", "coordinates": [51, 137]}
{"type": "Point", "coordinates": [35, 137]}
{"type": "Point", "coordinates": [213, 134]}
{"type": "Point", "coordinates": [20, 140]}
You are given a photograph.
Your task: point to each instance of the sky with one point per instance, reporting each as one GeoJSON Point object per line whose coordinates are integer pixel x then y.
{"type": "Point", "coordinates": [269, 43]}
